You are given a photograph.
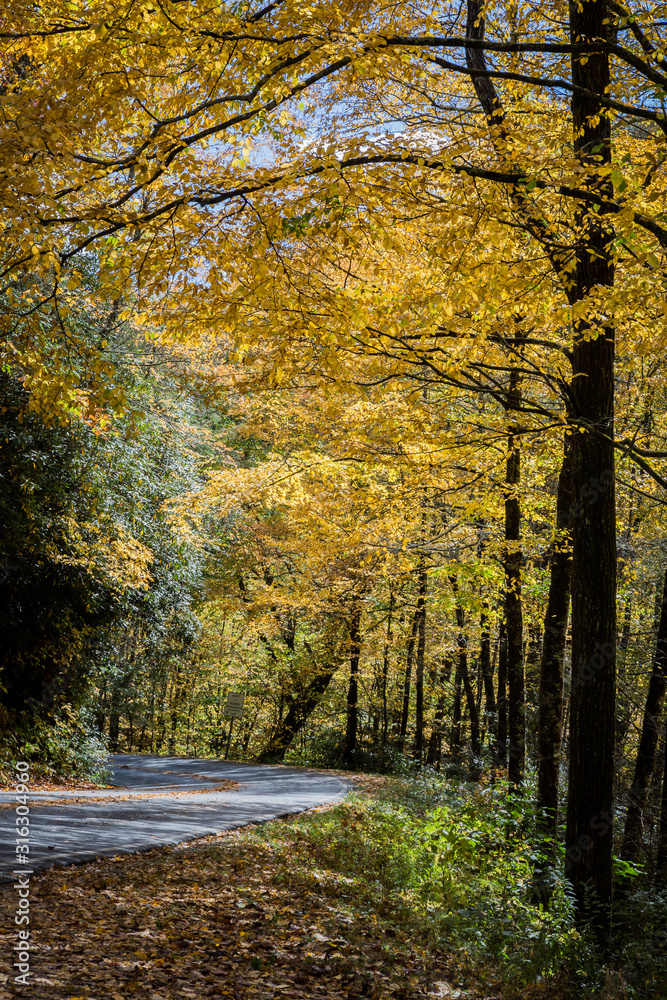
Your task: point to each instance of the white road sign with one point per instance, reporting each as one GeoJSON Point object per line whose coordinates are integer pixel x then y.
{"type": "Point", "coordinates": [234, 706]}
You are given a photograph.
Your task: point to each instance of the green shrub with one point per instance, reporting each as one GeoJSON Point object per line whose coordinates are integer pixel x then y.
{"type": "Point", "coordinates": [325, 748]}
{"type": "Point", "coordinates": [640, 943]}
{"type": "Point", "coordinates": [456, 864]}
{"type": "Point", "coordinates": [56, 749]}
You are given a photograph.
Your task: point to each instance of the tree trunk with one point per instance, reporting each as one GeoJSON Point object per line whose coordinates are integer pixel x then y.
{"type": "Point", "coordinates": [408, 676]}
{"type": "Point", "coordinates": [176, 700]}
{"type": "Point", "coordinates": [591, 398]}
{"type": "Point", "coordinates": [624, 704]}
{"type": "Point", "coordinates": [455, 732]}
{"type": "Point", "coordinates": [421, 651]}
{"type": "Point", "coordinates": [353, 688]}
{"type": "Point", "coordinates": [661, 861]}
{"type": "Point", "coordinates": [385, 669]}
{"type": "Point", "coordinates": [114, 722]}
{"type": "Point", "coordinates": [550, 705]}
{"type": "Point", "coordinates": [435, 742]}
{"type": "Point", "coordinates": [298, 711]}
{"type": "Point", "coordinates": [486, 669]}
{"type": "Point", "coordinates": [648, 742]}
{"type": "Point", "coordinates": [502, 697]}
{"type": "Point", "coordinates": [463, 670]}
{"type": "Point", "coordinates": [513, 609]}
{"type": "Point", "coordinates": [100, 717]}
{"type": "Point", "coordinates": [589, 834]}
{"type": "Point", "coordinates": [472, 711]}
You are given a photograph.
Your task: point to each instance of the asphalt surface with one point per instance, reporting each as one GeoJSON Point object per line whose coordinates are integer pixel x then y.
{"type": "Point", "coordinates": [155, 801]}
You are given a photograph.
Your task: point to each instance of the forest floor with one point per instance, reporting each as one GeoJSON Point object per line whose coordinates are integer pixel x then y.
{"type": "Point", "coordinates": [249, 914]}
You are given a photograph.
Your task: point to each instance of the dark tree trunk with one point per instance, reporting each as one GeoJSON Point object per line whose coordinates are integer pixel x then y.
{"type": "Point", "coordinates": [100, 716]}
{"type": "Point", "coordinates": [463, 669]}
{"type": "Point", "coordinates": [486, 669]}
{"type": "Point", "coordinates": [385, 669]}
{"type": "Point", "coordinates": [435, 742]}
{"type": "Point", "coordinates": [353, 688]}
{"type": "Point", "coordinates": [174, 713]}
{"type": "Point", "coordinates": [533, 657]}
{"type": "Point", "coordinates": [648, 741]}
{"type": "Point", "coordinates": [624, 704]}
{"type": "Point", "coordinates": [463, 677]}
{"type": "Point", "coordinates": [661, 862]}
{"type": "Point", "coordinates": [114, 723]}
{"type": "Point", "coordinates": [589, 834]}
{"type": "Point", "coordinates": [550, 705]}
{"type": "Point", "coordinates": [408, 676]}
{"type": "Point", "coordinates": [624, 688]}
{"type": "Point", "coordinates": [472, 711]}
{"type": "Point", "coordinates": [455, 732]}
{"type": "Point", "coordinates": [421, 652]}
{"type": "Point", "coordinates": [115, 710]}
{"type": "Point", "coordinates": [298, 712]}
{"type": "Point", "coordinates": [502, 697]}
{"type": "Point", "coordinates": [513, 610]}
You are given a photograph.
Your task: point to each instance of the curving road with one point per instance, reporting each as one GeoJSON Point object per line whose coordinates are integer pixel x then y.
{"type": "Point", "coordinates": [155, 801]}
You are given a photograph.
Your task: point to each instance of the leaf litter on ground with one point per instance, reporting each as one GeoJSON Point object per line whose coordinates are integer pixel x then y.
{"type": "Point", "coordinates": [247, 915]}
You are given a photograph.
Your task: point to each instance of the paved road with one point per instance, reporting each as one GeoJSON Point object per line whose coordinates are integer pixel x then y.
{"type": "Point", "coordinates": [157, 800]}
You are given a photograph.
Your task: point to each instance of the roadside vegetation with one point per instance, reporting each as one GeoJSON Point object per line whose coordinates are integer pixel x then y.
{"type": "Point", "coordinates": [408, 889]}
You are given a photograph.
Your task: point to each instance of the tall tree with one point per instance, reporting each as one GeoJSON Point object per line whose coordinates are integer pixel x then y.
{"type": "Point", "coordinates": [407, 679]}
{"type": "Point", "coordinates": [349, 752]}
{"type": "Point", "coordinates": [589, 834]}
{"type": "Point", "coordinates": [513, 609]}
{"type": "Point", "coordinates": [422, 580]}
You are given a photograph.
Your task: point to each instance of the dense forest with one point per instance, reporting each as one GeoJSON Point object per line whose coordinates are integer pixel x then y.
{"type": "Point", "coordinates": [333, 373]}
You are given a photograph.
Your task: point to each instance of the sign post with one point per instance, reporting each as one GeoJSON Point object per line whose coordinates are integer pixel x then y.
{"type": "Point", "coordinates": [234, 710]}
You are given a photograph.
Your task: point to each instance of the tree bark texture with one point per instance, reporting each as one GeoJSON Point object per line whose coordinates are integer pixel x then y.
{"type": "Point", "coordinates": [385, 668]}
{"type": "Point", "coordinates": [455, 732]}
{"type": "Point", "coordinates": [591, 400]}
{"type": "Point", "coordinates": [463, 680]}
{"type": "Point", "coordinates": [590, 808]}
{"type": "Point", "coordinates": [435, 742]}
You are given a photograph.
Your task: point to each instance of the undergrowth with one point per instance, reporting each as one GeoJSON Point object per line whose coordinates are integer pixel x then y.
{"type": "Point", "coordinates": [453, 863]}
{"type": "Point", "coordinates": [56, 750]}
